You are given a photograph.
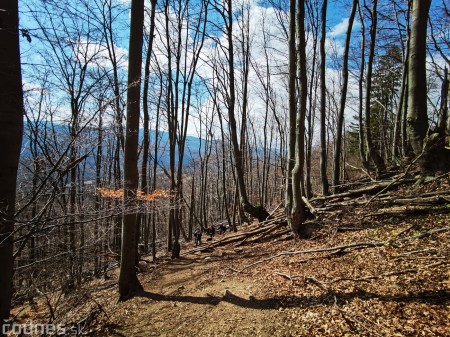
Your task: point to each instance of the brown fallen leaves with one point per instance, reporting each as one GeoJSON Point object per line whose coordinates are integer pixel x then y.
{"type": "Point", "coordinates": [398, 288]}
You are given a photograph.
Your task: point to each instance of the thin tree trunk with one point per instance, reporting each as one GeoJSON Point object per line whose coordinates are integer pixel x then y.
{"type": "Point", "coordinates": [373, 153]}
{"type": "Point", "coordinates": [340, 118]}
{"type": "Point", "coordinates": [146, 140]}
{"type": "Point", "coordinates": [225, 196]}
{"type": "Point", "coordinates": [443, 110]}
{"type": "Point", "coordinates": [405, 144]}
{"type": "Point", "coordinates": [397, 140]}
{"type": "Point", "coordinates": [311, 106]}
{"type": "Point", "coordinates": [323, 104]}
{"type": "Point", "coordinates": [258, 212]}
{"type": "Point", "coordinates": [292, 113]}
{"type": "Point", "coordinates": [398, 118]}
{"type": "Point", "coordinates": [73, 152]}
{"type": "Point", "coordinates": [142, 218]}
{"type": "Point", "coordinates": [362, 152]}
{"type": "Point", "coordinates": [171, 126]}
{"type": "Point", "coordinates": [98, 184]}
{"type": "Point", "coordinates": [155, 167]}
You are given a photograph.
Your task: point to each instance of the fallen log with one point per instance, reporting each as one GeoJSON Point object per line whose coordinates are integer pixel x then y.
{"type": "Point", "coordinates": [273, 212]}
{"type": "Point", "coordinates": [430, 198]}
{"type": "Point", "coordinates": [276, 234]}
{"type": "Point", "coordinates": [265, 234]}
{"type": "Point", "coordinates": [365, 190]}
{"type": "Point", "coordinates": [407, 210]}
{"type": "Point", "coordinates": [310, 207]}
{"type": "Point", "coordinates": [426, 201]}
{"type": "Point", "coordinates": [233, 238]}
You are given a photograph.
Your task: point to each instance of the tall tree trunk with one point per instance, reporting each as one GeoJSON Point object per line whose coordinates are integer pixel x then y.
{"type": "Point", "coordinates": [296, 216]}
{"type": "Point", "coordinates": [340, 119]}
{"type": "Point", "coordinates": [73, 153]}
{"type": "Point", "coordinates": [259, 212]}
{"type": "Point", "coordinates": [362, 152]}
{"type": "Point", "coordinates": [155, 167]}
{"type": "Point", "coordinates": [292, 114]}
{"type": "Point", "coordinates": [11, 126]}
{"type": "Point", "coordinates": [397, 128]}
{"type": "Point", "coordinates": [312, 93]}
{"type": "Point", "coordinates": [225, 193]}
{"type": "Point", "coordinates": [417, 119]}
{"type": "Point", "coordinates": [406, 147]}
{"type": "Point", "coordinates": [143, 218]}
{"type": "Point", "coordinates": [171, 125]}
{"type": "Point", "coordinates": [98, 184]}
{"type": "Point", "coordinates": [146, 138]}
{"type": "Point", "coordinates": [397, 143]}
{"type": "Point", "coordinates": [174, 213]}
{"type": "Point", "coordinates": [371, 148]}
{"type": "Point", "coordinates": [128, 281]}
{"type": "Point", "coordinates": [187, 82]}
{"type": "Point", "coordinates": [323, 103]}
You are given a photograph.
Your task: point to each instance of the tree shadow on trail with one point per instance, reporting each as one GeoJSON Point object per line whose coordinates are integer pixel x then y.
{"type": "Point", "coordinates": [431, 297]}
{"type": "Point", "coordinates": [252, 302]}
{"type": "Point", "coordinates": [212, 300]}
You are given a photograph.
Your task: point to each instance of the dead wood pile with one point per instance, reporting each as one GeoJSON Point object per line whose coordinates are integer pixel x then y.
{"type": "Point", "coordinates": [328, 209]}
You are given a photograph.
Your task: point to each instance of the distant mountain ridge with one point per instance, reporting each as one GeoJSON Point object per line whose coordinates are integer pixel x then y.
{"type": "Point", "coordinates": [88, 137]}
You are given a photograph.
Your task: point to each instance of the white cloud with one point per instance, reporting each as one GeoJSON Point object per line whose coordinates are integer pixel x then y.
{"type": "Point", "coordinates": [97, 54]}
{"type": "Point", "coordinates": [340, 28]}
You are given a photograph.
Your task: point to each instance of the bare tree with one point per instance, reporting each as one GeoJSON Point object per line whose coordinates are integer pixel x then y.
{"type": "Point", "coordinates": [226, 11]}
{"type": "Point", "coordinates": [402, 106]}
{"type": "Point", "coordinates": [128, 281]}
{"type": "Point", "coordinates": [361, 133]}
{"type": "Point", "coordinates": [296, 211]}
{"type": "Point", "coordinates": [292, 114]}
{"type": "Point", "coordinates": [323, 103]}
{"type": "Point", "coordinates": [372, 151]}
{"type": "Point", "coordinates": [11, 114]}
{"type": "Point", "coordinates": [340, 118]}
{"type": "Point", "coordinates": [313, 21]}
{"type": "Point", "coordinates": [417, 118]}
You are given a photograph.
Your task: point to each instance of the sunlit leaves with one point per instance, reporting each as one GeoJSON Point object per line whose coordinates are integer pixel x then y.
{"type": "Point", "coordinates": [118, 194]}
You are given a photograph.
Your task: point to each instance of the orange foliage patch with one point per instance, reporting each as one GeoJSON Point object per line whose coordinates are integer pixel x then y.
{"type": "Point", "coordinates": [118, 194]}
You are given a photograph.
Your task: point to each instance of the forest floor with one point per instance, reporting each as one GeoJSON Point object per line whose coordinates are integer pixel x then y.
{"type": "Point", "coordinates": [377, 269]}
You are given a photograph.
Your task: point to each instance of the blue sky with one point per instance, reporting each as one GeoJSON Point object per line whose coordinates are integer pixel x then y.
{"type": "Point", "coordinates": [337, 18]}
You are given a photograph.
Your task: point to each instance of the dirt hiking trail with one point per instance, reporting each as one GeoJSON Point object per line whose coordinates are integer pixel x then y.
{"type": "Point", "coordinates": [381, 269]}
{"type": "Point", "coordinates": [193, 297]}
{"type": "Point", "coordinates": [391, 290]}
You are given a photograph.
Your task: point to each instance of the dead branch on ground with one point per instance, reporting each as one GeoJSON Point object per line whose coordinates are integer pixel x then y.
{"type": "Point", "coordinates": [350, 246]}
{"type": "Point", "coordinates": [361, 191]}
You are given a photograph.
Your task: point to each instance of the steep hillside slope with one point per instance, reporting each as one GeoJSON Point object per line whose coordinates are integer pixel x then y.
{"type": "Point", "coordinates": [370, 269]}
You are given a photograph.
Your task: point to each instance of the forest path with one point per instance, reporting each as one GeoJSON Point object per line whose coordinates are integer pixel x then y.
{"type": "Point", "coordinates": [376, 270]}
{"type": "Point", "coordinates": [192, 296]}
{"type": "Point", "coordinates": [400, 289]}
